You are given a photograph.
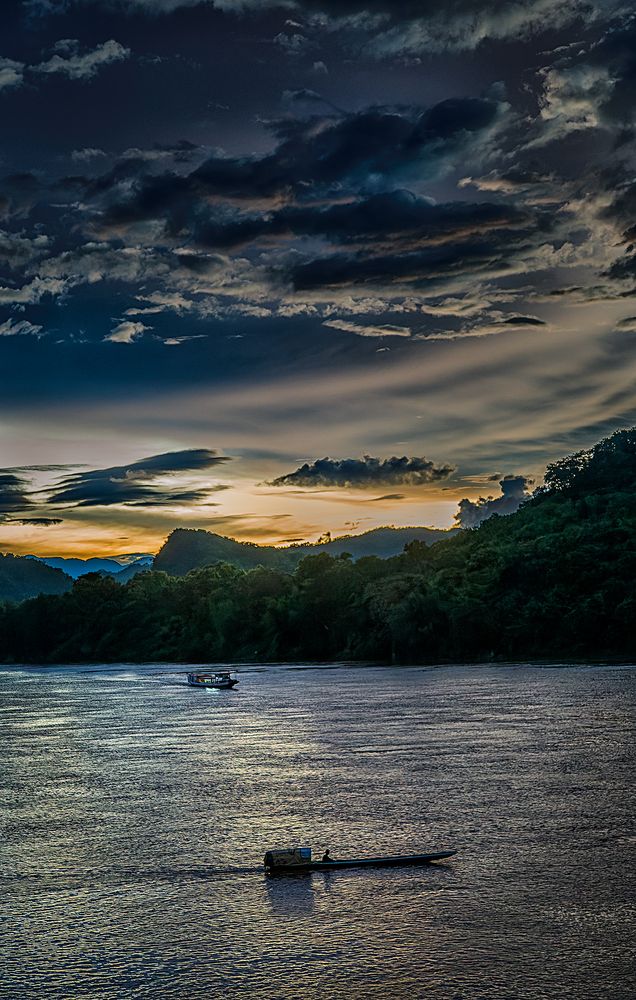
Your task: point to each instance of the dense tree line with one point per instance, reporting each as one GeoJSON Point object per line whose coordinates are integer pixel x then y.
{"type": "Point", "coordinates": [558, 578]}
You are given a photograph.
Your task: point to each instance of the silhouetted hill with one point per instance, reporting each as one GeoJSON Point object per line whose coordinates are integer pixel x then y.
{"type": "Point", "coordinates": [186, 549]}
{"type": "Point", "coordinates": [22, 577]}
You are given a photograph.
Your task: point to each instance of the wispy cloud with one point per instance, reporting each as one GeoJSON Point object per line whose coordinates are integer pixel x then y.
{"type": "Point", "coordinates": [146, 482]}
{"type": "Point", "coordinates": [368, 331]}
{"type": "Point", "coordinates": [83, 66]}
{"type": "Point", "coordinates": [19, 328]}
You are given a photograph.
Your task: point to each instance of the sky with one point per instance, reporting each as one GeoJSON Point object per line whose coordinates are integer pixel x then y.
{"type": "Point", "coordinates": [274, 268]}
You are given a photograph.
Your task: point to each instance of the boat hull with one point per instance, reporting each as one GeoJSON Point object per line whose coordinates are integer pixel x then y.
{"type": "Point", "coordinates": [218, 687]}
{"type": "Point", "coordinates": [393, 861]}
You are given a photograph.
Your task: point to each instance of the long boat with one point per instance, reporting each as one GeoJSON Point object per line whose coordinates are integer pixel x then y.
{"type": "Point", "coordinates": [299, 860]}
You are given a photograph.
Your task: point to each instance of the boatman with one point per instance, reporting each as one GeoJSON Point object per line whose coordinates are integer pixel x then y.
{"type": "Point", "coordinates": [325, 856]}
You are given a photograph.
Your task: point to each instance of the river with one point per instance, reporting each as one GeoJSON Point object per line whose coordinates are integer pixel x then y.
{"type": "Point", "coordinates": [136, 812]}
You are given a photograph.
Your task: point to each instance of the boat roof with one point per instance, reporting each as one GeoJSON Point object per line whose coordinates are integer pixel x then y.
{"type": "Point", "coordinates": [210, 673]}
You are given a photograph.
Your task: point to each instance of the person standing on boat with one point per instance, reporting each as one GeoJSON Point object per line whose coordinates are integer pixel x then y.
{"type": "Point", "coordinates": [326, 857]}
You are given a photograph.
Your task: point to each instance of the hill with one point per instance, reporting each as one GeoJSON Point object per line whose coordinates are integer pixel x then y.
{"type": "Point", "coordinates": [381, 542]}
{"type": "Point", "coordinates": [96, 564]}
{"type": "Point", "coordinates": [22, 577]}
{"type": "Point", "coordinates": [186, 549]}
{"type": "Point", "coordinates": [556, 579]}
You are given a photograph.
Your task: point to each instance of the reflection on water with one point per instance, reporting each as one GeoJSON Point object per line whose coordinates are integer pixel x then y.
{"type": "Point", "coordinates": [290, 895]}
{"type": "Point", "coordinates": [136, 812]}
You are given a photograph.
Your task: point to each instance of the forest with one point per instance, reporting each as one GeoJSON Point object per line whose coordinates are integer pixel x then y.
{"type": "Point", "coordinates": [555, 579]}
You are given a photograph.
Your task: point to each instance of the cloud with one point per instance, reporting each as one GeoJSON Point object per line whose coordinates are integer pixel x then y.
{"type": "Point", "coordinates": [362, 473]}
{"type": "Point", "coordinates": [512, 180]}
{"type": "Point", "coordinates": [368, 331]}
{"type": "Point", "coordinates": [293, 43]}
{"type": "Point", "coordinates": [14, 495]}
{"type": "Point", "coordinates": [126, 332]}
{"type": "Point", "coordinates": [86, 66]}
{"type": "Point", "coordinates": [136, 484]}
{"type": "Point", "coordinates": [412, 268]}
{"type": "Point", "coordinates": [571, 101]}
{"type": "Point", "coordinates": [32, 292]}
{"type": "Point", "coordinates": [378, 147]}
{"type": "Point", "coordinates": [175, 341]}
{"type": "Point", "coordinates": [399, 27]}
{"type": "Point", "coordinates": [16, 249]}
{"type": "Point", "coordinates": [523, 321]}
{"type": "Point", "coordinates": [39, 522]}
{"type": "Point", "coordinates": [11, 74]}
{"type": "Point", "coordinates": [87, 154]}
{"type": "Point", "coordinates": [19, 328]}
{"type": "Point", "coordinates": [628, 324]}
{"type": "Point", "coordinates": [514, 491]}
{"type": "Point", "coordinates": [498, 326]}
{"type": "Point", "coordinates": [381, 220]}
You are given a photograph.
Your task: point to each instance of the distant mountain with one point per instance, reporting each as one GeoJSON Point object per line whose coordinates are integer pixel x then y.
{"type": "Point", "coordinates": [22, 577]}
{"type": "Point", "coordinates": [139, 566]}
{"type": "Point", "coordinates": [115, 565]}
{"type": "Point", "coordinates": [187, 549]}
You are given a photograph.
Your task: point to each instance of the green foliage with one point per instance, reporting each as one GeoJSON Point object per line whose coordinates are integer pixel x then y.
{"type": "Point", "coordinates": [556, 579]}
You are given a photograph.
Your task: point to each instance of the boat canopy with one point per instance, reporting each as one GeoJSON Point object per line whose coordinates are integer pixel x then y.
{"type": "Point", "coordinates": [289, 856]}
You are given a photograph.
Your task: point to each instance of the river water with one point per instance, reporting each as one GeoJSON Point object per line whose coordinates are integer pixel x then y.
{"type": "Point", "coordinates": [136, 812]}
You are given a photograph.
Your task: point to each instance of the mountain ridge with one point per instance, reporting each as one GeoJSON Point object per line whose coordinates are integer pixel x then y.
{"type": "Point", "coordinates": [186, 549]}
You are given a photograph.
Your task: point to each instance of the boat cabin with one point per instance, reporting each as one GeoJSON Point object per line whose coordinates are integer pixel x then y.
{"type": "Point", "coordinates": [285, 858]}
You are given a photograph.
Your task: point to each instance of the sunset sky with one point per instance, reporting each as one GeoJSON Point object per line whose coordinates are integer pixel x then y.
{"type": "Point", "coordinates": [277, 268]}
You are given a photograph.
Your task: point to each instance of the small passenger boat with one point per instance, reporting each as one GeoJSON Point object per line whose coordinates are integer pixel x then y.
{"type": "Point", "coordinates": [299, 860]}
{"type": "Point", "coordinates": [222, 679]}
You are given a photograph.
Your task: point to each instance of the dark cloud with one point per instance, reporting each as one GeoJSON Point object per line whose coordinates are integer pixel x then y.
{"type": "Point", "coordinates": [14, 494]}
{"type": "Point", "coordinates": [469, 256]}
{"type": "Point", "coordinates": [523, 321]}
{"type": "Point", "coordinates": [389, 216]}
{"type": "Point", "coordinates": [366, 472]}
{"type": "Point", "coordinates": [388, 496]}
{"type": "Point", "coordinates": [311, 155]}
{"type": "Point", "coordinates": [40, 522]}
{"type": "Point", "coordinates": [514, 490]}
{"type": "Point", "coordinates": [133, 484]}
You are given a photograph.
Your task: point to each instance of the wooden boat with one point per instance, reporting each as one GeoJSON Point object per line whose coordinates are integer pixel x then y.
{"type": "Point", "coordinates": [299, 860]}
{"type": "Point", "coordinates": [222, 680]}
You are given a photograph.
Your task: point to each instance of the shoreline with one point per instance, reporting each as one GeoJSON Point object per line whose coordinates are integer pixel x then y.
{"type": "Point", "coordinates": [255, 666]}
